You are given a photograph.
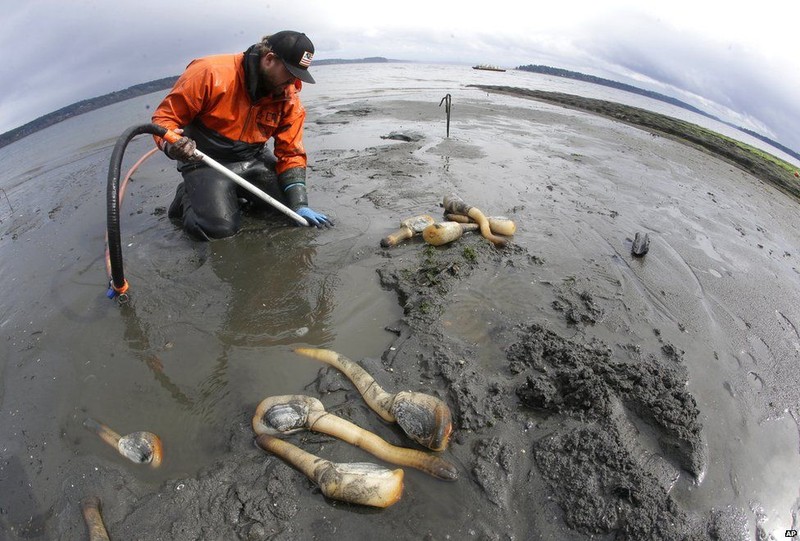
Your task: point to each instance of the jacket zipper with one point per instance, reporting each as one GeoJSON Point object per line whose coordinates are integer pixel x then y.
{"type": "Point", "coordinates": [246, 123]}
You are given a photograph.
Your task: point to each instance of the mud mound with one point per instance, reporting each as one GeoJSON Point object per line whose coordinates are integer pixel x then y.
{"type": "Point", "coordinates": [586, 382]}
{"type": "Point", "coordinates": [610, 430]}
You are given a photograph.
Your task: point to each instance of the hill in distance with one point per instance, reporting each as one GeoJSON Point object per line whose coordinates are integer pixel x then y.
{"type": "Point", "coordinates": [91, 104]}
{"type": "Point", "coordinates": [653, 95]}
{"type": "Point", "coordinates": [134, 91]}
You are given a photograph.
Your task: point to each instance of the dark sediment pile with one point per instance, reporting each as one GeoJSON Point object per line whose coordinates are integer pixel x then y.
{"type": "Point", "coordinates": [609, 434]}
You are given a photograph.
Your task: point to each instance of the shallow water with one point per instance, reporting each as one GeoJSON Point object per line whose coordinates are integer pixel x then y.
{"type": "Point", "coordinates": [210, 327]}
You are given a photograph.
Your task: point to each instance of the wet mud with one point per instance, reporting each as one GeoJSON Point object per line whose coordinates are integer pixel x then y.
{"type": "Point", "coordinates": [588, 387]}
{"type": "Point", "coordinates": [564, 430]}
{"type": "Point", "coordinates": [777, 172]}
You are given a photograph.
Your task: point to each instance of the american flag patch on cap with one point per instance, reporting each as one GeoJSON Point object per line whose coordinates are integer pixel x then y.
{"type": "Point", "coordinates": [305, 61]}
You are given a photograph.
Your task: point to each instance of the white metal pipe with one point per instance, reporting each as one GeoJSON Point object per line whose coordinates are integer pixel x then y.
{"type": "Point", "coordinates": [255, 190]}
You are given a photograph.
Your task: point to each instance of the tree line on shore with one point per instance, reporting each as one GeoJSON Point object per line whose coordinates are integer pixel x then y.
{"type": "Point", "coordinates": [558, 72]}
{"type": "Point", "coordinates": [134, 91]}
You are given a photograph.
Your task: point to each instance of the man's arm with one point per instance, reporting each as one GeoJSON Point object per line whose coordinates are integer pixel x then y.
{"type": "Point", "coordinates": [179, 108]}
{"type": "Point", "coordinates": [292, 160]}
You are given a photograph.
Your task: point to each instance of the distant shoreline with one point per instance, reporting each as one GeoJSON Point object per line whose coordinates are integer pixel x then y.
{"type": "Point", "coordinates": [758, 163]}
{"type": "Point", "coordinates": [131, 92]}
{"type": "Point", "coordinates": [91, 104]}
{"type": "Point", "coordinates": [84, 106]}
{"type": "Point", "coordinates": [558, 72]}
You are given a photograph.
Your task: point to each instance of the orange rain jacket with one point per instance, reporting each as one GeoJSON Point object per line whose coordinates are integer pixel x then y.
{"type": "Point", "coordinates": [218, 103]}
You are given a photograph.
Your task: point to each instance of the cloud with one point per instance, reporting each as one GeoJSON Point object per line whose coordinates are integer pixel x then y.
{"type": "Point", "coordinates": [733, 62]}
{"type": "Point", "coordinates": [755, 88]}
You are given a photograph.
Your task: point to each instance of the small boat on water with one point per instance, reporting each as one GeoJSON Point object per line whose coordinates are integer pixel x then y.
{"type": "Point", "coordinates": [487, 67]}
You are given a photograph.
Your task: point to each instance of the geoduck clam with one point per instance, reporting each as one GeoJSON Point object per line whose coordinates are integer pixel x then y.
{"type": "Point", "coordinates": [408, 228]}
{"type": "Point", "coordinates": [280, 415]}
{"type": "Point", "coordinates": [499, 225]}
{"type": "Point", "coordinates": [139, 447]}
{"type": "Point", "coordinates": [455, 205]}
{"type": "Point", "coordinates": [424, 418]}
{"type": "Point", "coordinates": [445, 232]}
{"type": "Point", "coordinates": [361, 483]}
{"type": "Point", "coordinates": [90, 507]}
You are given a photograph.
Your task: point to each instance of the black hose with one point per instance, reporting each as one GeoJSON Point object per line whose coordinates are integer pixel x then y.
{"type": "Point", "coordinates": [112, 199]}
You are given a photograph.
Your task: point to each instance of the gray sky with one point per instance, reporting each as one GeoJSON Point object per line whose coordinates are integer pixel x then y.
{"type": "Point", "coordinates": [738, 61]}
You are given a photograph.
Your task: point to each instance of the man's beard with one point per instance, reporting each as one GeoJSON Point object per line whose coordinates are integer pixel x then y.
{"type": "Point", "coordinates": [270, 86]}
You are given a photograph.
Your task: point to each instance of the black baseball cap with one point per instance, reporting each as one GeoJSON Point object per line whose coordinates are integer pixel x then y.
{"type": "Point", "coordinates": [296, 51]}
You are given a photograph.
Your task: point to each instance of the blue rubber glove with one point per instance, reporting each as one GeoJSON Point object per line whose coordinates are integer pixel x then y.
{"type": "Point", "coordinates": [314, 218]}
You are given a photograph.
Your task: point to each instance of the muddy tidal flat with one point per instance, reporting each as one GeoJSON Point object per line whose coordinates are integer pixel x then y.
{"type": "Point", "coordinates": [595, 394]}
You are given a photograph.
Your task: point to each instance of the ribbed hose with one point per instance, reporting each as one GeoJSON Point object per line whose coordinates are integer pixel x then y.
{"type": "Point", "coordinates": [112, 200]}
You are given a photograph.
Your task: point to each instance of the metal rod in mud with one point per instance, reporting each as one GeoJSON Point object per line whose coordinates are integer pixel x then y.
{"type": "Point", "coordinates": [7, 200]}
{"type": "Point", "coordinates": [446, 101]}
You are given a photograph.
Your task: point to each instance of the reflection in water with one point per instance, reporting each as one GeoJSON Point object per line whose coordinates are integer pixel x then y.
{"type": "Point", "coordinates": [275, 299]}
{"type": "Point", "coordinates": [137, 339]}
{"type": "Point", "coordinates": [271, 298]}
